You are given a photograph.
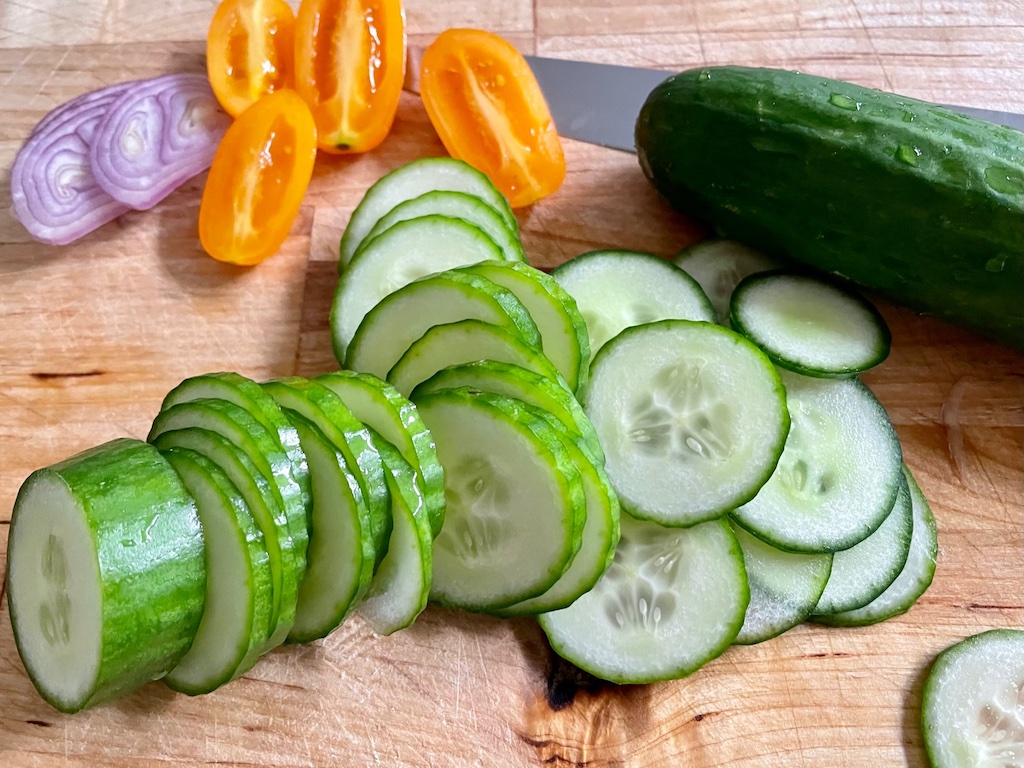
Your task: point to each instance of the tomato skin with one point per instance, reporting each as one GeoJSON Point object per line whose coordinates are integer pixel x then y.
{"type": "Point", "coordinates": [258, 179]}
{"type": "Point", "coordinates": [486, 106]}
{"type": "Point", "coordinates": [249, 51]}
{"type": "Point", "coordinates": [350, 67]}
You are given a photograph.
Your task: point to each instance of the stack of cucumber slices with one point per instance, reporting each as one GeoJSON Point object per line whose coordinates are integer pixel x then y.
{"type": "Point", "coordinates": [653, 473]}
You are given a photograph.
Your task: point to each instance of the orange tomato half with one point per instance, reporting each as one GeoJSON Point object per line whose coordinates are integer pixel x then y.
{"type": "Point", "coordinates": [485, 104]}
{"type": "Point", "coordinates": [249, 51]}
{"type": "Point", "coordinates": [349, 67]}
{"type": "Point", "coordinates": [258, 178]}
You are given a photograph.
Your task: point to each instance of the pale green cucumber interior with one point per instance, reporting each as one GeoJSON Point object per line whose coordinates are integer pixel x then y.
{"type": "Point", "coordinates": [718, 266]}
{"type": "Point", "coordinates": [673, 599]}
{"type": "Point", "coordinates": [54, 591]}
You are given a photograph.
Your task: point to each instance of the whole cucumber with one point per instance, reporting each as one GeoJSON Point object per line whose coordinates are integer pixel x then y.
{"type": "Point", "coordinates": [911, 200]}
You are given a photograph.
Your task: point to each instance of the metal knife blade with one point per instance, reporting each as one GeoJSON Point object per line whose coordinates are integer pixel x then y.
{"type": "Point", "coordinates": [599, 103]}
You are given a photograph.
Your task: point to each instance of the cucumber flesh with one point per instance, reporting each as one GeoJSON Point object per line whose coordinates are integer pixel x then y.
{"type": "Point", "coordinates": [233, 629]}
{"type": "Point", "coordinates": [615, 290]}
{"type": "Point", "coordinates": [410, 181]}
{"type": "Point", "coordinates": [515, 503]}
{"type": "Point", "coordinates": [839, 474]}
{"type": "Point", "coordinates": [718, 266]}
{"type": "Point", "coordinates": [672, 600]}
{"type": "Point", "coordinates": [692, 418]}
{"type": "Point", "coordinates": [809, 326]}
{"type": "Point", "coordinates": [784, 587]}
{"type": "Point", "coordinates": [105, 573]}
{"type": "Point", "coordinates": [973, 703]}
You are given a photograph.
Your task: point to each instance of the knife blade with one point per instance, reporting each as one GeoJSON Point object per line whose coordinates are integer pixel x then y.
{"type": "Point", "coordinates": [599, 103]}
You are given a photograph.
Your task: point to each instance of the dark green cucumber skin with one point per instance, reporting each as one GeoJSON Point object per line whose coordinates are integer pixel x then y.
{"type": "Point", "coordinates": [915, 202]}
{"type": "Point", "coordinates": [150, 552]}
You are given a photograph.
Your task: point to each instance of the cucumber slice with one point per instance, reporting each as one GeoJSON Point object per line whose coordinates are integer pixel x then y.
{"type": "Point", "coordinates": [672, 600]}
{"type": "Point", "coordinates": [383, 409]}
{"type": "Point", "coordinates": [784, 587]}
{"type": "Point", "coordinates": [239, 596]}
{"type": "Point", "coordinates": [400, 318]}
{"type": "Point", "coordinates": [342, 548]}
{"type": "Point", "coordinates": [972, 713]}
{"type": "Point", "coordinates": [522, 384]}
{"type": "Point", "coordinates": [913, 580]}
{"type": "Point", "coordinates": [407, 251]}
{"type": "Point", "coordinates": [718, 266]}
{"type": "Point", "coordinates": [105, 574]}
{"type": "Point", "coordinates": [515, 503]}
{"type": "Point", "coordinates": [809, 326]}
{"type": "Point", "coordinates": [562, 329]}
{"type": "Point", "coordinates": [692, 418]}
{"type": "Point", "coordinates": [411, 181]}
{"type": "Point", "coordinates": [864, 571]}
{"type": "Point", "coordinates": [615, 290]}
{"type": "Point", "coordinates": [457, 205]}
{"type": "Point", "coordinates": [464, 342]}
{"type": "Point", "coordinates": [255, 490]}
{"type": "Point", "coordinates": [401, 587]}
{"type": "Point", "coordinates": [347, 434]}
{"type": "Point", "coordinates": [838, 476]}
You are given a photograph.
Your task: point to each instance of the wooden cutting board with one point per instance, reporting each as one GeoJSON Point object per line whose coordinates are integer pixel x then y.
{"type": "Point", "coordinates": [93, 336]}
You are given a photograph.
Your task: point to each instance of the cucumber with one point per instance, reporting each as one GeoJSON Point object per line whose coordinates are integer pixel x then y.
{"type": "Point", "coordinates": [865, 570]}
{"type": "Point", "coordinates": [672, 600]}
{"type": "Point", "coordinates": [238, 603]}
{"type": "Point", "coordinates": [400, 318]}
{"type": "Point", "coordinates": [410, 181]}
{"type": "Point", "coordinates": [972, 714]}
{"type": "Point", "coordinates": [105, 574]}
{"type": "Point", "coordinates": [562, 329]}
{"type": "Point", "coordinates": [383, 409]}
{"type": "Point", "coordinates": [465, 342]}
{"type": "Point", "coordinates": [914, 579]}
{"type": "Point", "coordinates": [908, 199]}
{"type": "Point", "coordinates": [809, 326]}
{"type": "Point", "coordinates": [784, 587]}
{"type": "Point", "coordinates": [692, 418]}
{"type": "Point", "coordinates": [615, 290]}
{"type": "Point", "coordinates": [407, 251]}
{"type": "Point", "coordinates": [457, 205]}
{"type": "Point", "coordinates": [839, 473]}
{"type": "Point", "coordinates": [718, 265]}
{"type": "Point", "coordinates": [516, 506]}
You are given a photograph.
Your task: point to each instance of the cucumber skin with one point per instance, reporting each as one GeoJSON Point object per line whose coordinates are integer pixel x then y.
{"type": "Point", "coordinates": [894, 195]}
{"type": "Point", "coordinates": [153, 593]}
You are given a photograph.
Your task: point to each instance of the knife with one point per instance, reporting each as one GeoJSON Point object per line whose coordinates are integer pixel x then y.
{"type": "Point", "coordinates": [599, 103]}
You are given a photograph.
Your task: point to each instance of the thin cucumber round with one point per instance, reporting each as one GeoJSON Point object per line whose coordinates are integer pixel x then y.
{"type": "Point", "coordinates": [672, 600]}
{"type": "Point", "coordinates": [233, 629]}
{"type": "Point", "coordinates": [401, 587]}
{"type": "Point", "coordinates": [563, 331]}
{"type": "Point", "coordinates": [464, 342]}
{"type": "Point", "coordinates": [972, 712]}
{"type": "Point", "coordinates": [838, 476]}
{"type": "Point", "coordinates": [865, 570]}
{"type": "Point", "coordinates": [615, 290]}
{"type": "Point", "coordinates": [457, 205]}
{"type": "Point", "coordinates": [718, 266]}
{"type": "Point", "coordinates": [410, 181]}
{"type": "Point", "coordinates": [385, 410]}
{"type": "Point", "coordinates": [807, 325]}
{"type": "Point", "coordinates": [692, 418]}
{"type": "Point", "coordinates": [105, 574]}
{"type": "Point", "coordinates": [406, 252]}
{"type": "Point", "coordinates": [400, 318]}
{"type": "Point", "coordinates": [784, 587]}
{"type": "Point", "coordinates": [515, 503]}
{"type": "Point", "coordinates": [518, 382]}
{"type": "Point", "coordinates": [913, 580]}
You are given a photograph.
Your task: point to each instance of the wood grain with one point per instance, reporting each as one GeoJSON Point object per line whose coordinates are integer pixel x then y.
{"type": "Point", "coordinates": [95, 334]}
